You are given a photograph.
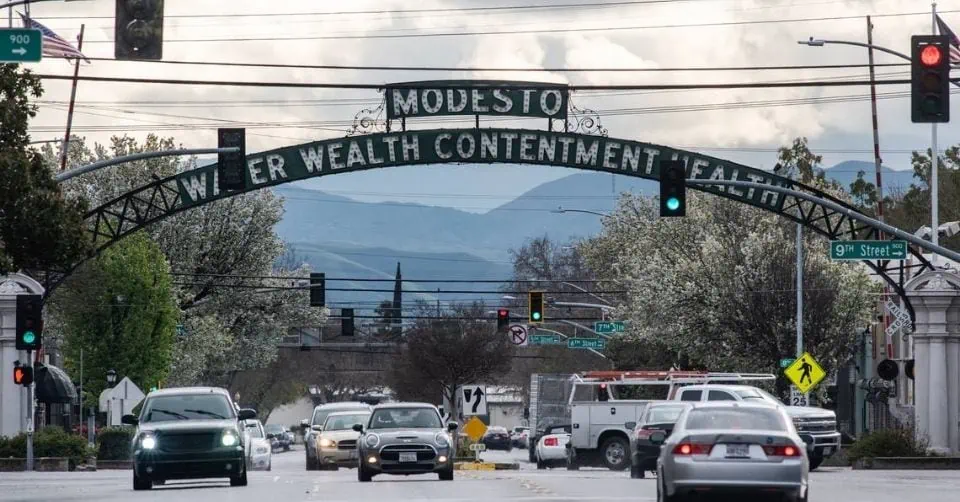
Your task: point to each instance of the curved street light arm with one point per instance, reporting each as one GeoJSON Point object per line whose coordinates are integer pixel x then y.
{"type": "Point", "coordinates": [73, 173]}
{"type": "Point", "coordinates": [815, 43]}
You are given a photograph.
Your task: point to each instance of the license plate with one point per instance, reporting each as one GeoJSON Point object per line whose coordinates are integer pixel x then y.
{"type": "Point", "coordinates": [827, 451]}
{"type": "Point", "coordinates": [738, 451]}
{"type": "Point", "coordinates": [353, 454]}
{"type": "Point", "coordinates": [408, 457]}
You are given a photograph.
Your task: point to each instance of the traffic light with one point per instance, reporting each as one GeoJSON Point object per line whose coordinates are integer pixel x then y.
{"type": "Point", "coordinates": [673, 188]}
{"type": "Point", "coordinates": [22, 375]}
{"type": "Point", "coordinates": [138, 30]}
{"type": "Point", "coordinates": [536, 306]}
{"type": "Point", "coordinates": [232, 166]}
{"type": "Point", "coordinates": [346, 322]}
{"type": "Point", "coordinates": [503, 319]}
{"type": "Point", "coordinates": [888, 369]}
{"type": "Point", "coordinates": [29, 322]}
{"type": "Point", "coordinates": [930, 80]}
{"type": "Point", "coordinates": [318, 289]}
{"type": "Point", "coordinates": [908, 369]}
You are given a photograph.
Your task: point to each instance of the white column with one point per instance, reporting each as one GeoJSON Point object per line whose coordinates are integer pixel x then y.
{"type": "Point", "coordinates": [13, 398]}
{"type": "Point", "coordinates": [938, 395]}
{"type": "Point", "coordinates": [921, 351]}
{"type": "Point", "coordinates": [953, 377]}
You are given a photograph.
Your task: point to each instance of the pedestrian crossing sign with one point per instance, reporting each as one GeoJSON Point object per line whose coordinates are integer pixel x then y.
{"type": "Point", "coordinates": [805, 373]}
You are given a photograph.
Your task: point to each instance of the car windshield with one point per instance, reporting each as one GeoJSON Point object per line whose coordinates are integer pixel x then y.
{"type": "Point", "coordinates": [663, 414]}
{"type": "Point", "coordinates": [320, 416]}
{"type": "Point", "coordinates": [405, 418]}
{"type": "Point", "coordinates": [751, 394]}
{"type": "Point", "coordinates": [274, 428]}
{"type": "Point", "coordinates": [187, 407]}
{"type": "Point", "coordinates": [735, 418]}
{"type": "Point", "coordinates": [254, 430]}
{"type": "Point", "coordinates": [344, 422]}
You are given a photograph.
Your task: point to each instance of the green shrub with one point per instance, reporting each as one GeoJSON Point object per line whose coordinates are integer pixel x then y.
{"type": "Point", "coordinates": [47, 442]}
{"type": "Point", "coordinates": [113, 443]}
{"type": "Point", "coordinates": [463, 448]}
{"type": "Point", "coordinates": [899, 442]}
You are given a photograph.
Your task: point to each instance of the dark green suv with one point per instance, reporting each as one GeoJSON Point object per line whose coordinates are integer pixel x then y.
{"type": "Point", "coordinates": [188, 433]}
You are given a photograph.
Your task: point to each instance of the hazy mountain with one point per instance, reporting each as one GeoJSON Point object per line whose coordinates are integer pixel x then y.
{"type": "Point", "coordinates": [846, 173]}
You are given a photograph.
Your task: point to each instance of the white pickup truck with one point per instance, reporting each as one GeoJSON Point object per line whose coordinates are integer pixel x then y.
{"type": "Point", "coordinates": [817, 426]}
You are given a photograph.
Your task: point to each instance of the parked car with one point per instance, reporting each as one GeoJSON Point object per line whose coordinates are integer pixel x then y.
{"type": "Point", "coordinates": [337, 442]}
{"type": "Point", "coordinates": [280, 433]}
{"type": "Point", "coordinates": [497, 438]}
{"type": "Point", "coordinates": [658, 417]}
{"type": "Point", "coordinates": [188, 433]}
{"type": "Point", "coordinates": [314, 425]}
{"type": "Point", "coordinates": [259, 446]}
{"type": "Point", "coordinates": [519, 436]}
{"type": "Point", "coordinates": [551, 448]}
{"type": "Point", "coordinates": [732, 447]}
{"type": "Point", "coordinates": [405, 438]}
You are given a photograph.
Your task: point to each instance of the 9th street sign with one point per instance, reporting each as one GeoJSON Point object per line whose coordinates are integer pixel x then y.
{"type": "Point", "coordinates": [20, 45]}
{"type": "Point", "coordinates": [868, 250]}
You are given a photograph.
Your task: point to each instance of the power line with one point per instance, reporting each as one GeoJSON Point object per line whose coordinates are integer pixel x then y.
{"type": "Point", "coordinates": [367, 279]}
{"type": "Point", "coordinates": [541, 31]}
{"type": "Point", "coordinates": [375, 290]}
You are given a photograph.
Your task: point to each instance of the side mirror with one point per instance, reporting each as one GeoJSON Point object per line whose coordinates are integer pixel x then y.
{"type": "Point", "coordinates": [358, 427]}
{"type": "Point", "coordinates": [630, 425]}
{"type": "Point", "coordinates": [271, 436]}
{"type": "Point", "coordinates": [317, 428]}
{"type": "Point", "coordinates": [246, 414]}
{"type": "Point", "coordinates": [658, 437]}
{"type": "Point", "coordinates": [129, 420]}
{"type": "Point", "coordinates": [304, 423]}
{"type": "Point", "coordinates": [452, 426]}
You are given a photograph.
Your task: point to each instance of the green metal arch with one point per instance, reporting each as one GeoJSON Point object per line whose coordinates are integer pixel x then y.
{"type": "Point", "coordinates": [164, 197]}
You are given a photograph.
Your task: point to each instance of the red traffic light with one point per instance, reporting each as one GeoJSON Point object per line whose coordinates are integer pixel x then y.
{"type": "Point", "coordinates": [503, 313]}
{"type": "Point", "coordinates": [931, 55]}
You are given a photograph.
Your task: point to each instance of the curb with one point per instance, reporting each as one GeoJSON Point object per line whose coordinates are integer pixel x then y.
{"type": "Point", "coordinates": [486, 466]}
{"type": "Point", "coordinates": [908, 463]}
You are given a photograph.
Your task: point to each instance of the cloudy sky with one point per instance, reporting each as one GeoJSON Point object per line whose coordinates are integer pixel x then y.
{"type": "Point", "coordinates": [741, 125]}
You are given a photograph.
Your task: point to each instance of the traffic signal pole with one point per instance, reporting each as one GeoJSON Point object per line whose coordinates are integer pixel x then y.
{"type": "Point", "coordinates": [29, 389]}
{"type": "Point", "coordinates": [73, 173]}
{"type": "Point", "coordinates": [934, 162]}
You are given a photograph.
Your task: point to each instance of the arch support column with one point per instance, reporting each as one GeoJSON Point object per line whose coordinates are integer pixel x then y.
{"type": "Point", "coordinates": [936, 299]}
{"type": "Point", "coordinates": [13, 398]}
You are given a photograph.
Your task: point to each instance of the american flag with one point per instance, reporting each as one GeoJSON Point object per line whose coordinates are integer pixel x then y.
{"type": "Point", "coordinates": [954, 41]}
{"type": "Point", "coordinates": [53, 44]}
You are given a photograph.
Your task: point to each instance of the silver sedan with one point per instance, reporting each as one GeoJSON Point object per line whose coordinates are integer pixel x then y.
{"type": "Point", "coordinates": [732, 448]}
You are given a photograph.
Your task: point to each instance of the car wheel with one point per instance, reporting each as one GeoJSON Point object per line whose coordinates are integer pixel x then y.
{"type": "Point", "coordinates": [636, 472]}
{"type": "Point", "coordinates": [616, 453]}
{"type": "Point", "coordinates": [270, 466]}
{"type": "Point", "coordinates": [446, 475]}
{"type": "Point", "coordinates": [662, 493]}
{"type": "Point", "coordinates": [334, 467]}
{"type": "Point", "coordinates": [240, 480]}
{"type": "Point", "coordinates": [531, 454]}
{"type": "Point", "coordinates": [363, 475]}
{"type": "Point", "coordinates": [310, 465]}
{"type": "Point", "coordinates": [140, 483]}
{"type": "Point", "coordinates": [541, 464]}
{"type": "Point", "coordinates": [815, 461]}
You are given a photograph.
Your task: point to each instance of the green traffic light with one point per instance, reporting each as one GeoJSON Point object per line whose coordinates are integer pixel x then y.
{"type": "Point", "coordinates": [29, 337]}
{"type": "Point", "coordinates": [673, 203]}
{"type": "Point", "coordinates": [536, 316]}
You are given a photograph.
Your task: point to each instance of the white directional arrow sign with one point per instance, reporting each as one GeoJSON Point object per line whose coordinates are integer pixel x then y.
{"type": "Point", "coordinates": [474, 400]}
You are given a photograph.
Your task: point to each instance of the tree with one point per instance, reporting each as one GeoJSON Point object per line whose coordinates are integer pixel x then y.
{"type": "Point", "coordinates": [909, 209]}
{"type": "Point", "coordinates": [448, 351]}
{"type": "Point", "coordinates": [120, 310]}
{"type": "Point", "coordinates": [40, 229]}
{"type": "Point", "coordinates": [714, 290]}
{"type": "Point", "coordinates": [863, 193]}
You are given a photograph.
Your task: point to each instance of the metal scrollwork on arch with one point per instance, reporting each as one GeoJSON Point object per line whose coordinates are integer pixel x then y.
{"type": "Point", "coordinates": [581, 121]}
{"type": "Point", "coordinates": [369, 120]}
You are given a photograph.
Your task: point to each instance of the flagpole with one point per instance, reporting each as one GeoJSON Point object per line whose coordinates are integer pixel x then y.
{"type": "Point", "coordinates": [935, 166]}
{"type": "Point", "coordinates": [73, 97]}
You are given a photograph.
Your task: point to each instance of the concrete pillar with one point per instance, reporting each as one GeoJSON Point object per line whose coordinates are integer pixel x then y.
{"type": "Point", "coordinates": [13, 398]}
{"type": "Point", "coordinates": [935, 297]}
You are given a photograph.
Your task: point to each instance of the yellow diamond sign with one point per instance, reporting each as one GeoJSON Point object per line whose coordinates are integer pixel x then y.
{"type": "Point", "coordinates": [475, 429]}
{"type": "Point", "coordinates": [805, 373]}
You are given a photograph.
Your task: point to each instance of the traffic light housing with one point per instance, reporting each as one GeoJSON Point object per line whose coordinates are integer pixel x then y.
{"type": "Point", "coordinates": [232, 166]}
{"type": "Point", "coordinates": [503, 319]}
{"type": "Point", "coordinates": [318, 289]}
{"type": "Point", "coordinates": [29, 322]}
{"type": "Point", "coordinates": [536, 307]}
{"type": "Point", "coordinates": [673, 188]}
{"type": "Point", "coordinates": [930, 79]}
{"type": "Point", "coordinates": [22, 375]}
{"type": "Point", "coordinates": [138, 30]}
{"type": "Point", "coordinates": [908, 369]}
{"type": "Point", "coordinates": [346, 322]}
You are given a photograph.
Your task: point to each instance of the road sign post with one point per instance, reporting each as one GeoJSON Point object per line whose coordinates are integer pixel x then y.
{"type": "Point", "coordinates": [586, 343]}
{"type": "Point", "coordinates": [868, 250]}
{"type": "Point", "coordinates": [609, 327]}
{"type": "Point", "coordinates": [20, 45]}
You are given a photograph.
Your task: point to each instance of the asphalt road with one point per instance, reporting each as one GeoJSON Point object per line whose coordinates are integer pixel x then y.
{"type": "Point", "coordinates": [289, 482]}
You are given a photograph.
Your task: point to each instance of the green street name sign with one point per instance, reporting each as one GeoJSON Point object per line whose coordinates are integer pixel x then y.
{"type": "Point", "coordinates": [477, 97]}
{"type": "Point", "coordinates": [868, 250]}
{"type": "Point", "coordinates": [546, 340]}
{"type": "Point", "coordinates": [586, 343]}
{"type": "Point", "coordinates": [786, 362]}
{"type": "Point", "coordinates": [20, 45]}
{"type": "Point", "coordinates": [609, 327]}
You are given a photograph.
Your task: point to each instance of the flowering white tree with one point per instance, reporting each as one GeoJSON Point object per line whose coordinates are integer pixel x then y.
{"type": "Point", "coordinates": [229, 323]}
{"type": "Point", "coordinates": [716, 289]}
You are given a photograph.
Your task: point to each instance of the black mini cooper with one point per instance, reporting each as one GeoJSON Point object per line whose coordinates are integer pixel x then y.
{"type": "Point", "coordinates": [188, 433]}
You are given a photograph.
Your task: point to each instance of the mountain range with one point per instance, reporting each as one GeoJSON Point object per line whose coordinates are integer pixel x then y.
{"type": "Point", "coordinates": [346, 238]}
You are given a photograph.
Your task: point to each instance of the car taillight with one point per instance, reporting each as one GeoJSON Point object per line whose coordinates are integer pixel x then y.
{"type": "Point", "coordinates": [692, 449]}
{"type": "Point", "coordinates": [551, 442]}
{"type": "Point", "coordinates": [782, 451]}
{"type": "Point", "coordinates": [646, 433]}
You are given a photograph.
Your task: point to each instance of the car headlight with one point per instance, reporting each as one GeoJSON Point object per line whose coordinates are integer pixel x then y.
{"type": "Point", "coordinates": [372, 440]}
{"type": "Point", "coordinates": [261, 450]}
{"type": "Point", "coordinates": [441, 440]}
{"type": "Point", "coordinates": [148, 442]}
{"type": "Point", "coordinates": [327, 443]}
{"type": "Point", "coordinates": [229, 438]}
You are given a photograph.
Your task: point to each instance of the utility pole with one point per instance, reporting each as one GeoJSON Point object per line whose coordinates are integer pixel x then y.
{"type": "Point", "coordinates": [935, 166]}
{"type": "Point", "coordinates": [30, 413]}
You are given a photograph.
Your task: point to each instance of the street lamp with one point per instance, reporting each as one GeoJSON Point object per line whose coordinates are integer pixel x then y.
{"type": "Point", "coordinates": [561, 210]}
{"type": "Point", "coordinates": [815, 42]}
{"type": "Point", "coordinates": [111, 377]}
